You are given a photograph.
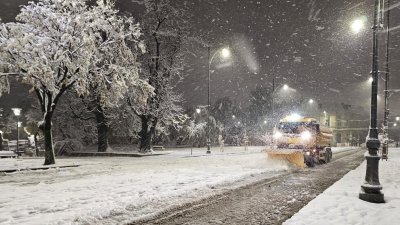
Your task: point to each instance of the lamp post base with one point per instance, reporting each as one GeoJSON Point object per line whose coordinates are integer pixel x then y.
{"type": "Point", "coordinates": [208, 146]}
{"type": "Point", "coordinates": [376, 197]}
{"type": "Point", "coordinates": [371, 189]}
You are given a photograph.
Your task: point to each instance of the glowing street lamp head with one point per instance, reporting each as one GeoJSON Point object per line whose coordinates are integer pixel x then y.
{"type": "Point", "coordinates": [395, 124]}
{"type": "Point", "coordinates": [233, 116]}
{"type": "Point", "coordinates": [285, 87]}
{"type": "Point", "coordinates": [397, 118]}
{"type": "Point", "coordinates": [370, 79]}
{"type": "Point", "coordinates": [17, 111]}
{"type": "Point", "coordinates": [357, 25]}
{"type": "Point", "coordinates": [225, 53]}
{"type": "Point", "coordinates": [311, 101]}
{"type": "Point", "coordinates": [277, 135]}
{"type": "Point", "coordinates": [198, 111]}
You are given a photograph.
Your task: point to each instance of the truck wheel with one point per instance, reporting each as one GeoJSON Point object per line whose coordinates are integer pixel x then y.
{"type": "Point", "coordinates": [309, 161]}
{"type": "Point", "coordinates": [328, 155]}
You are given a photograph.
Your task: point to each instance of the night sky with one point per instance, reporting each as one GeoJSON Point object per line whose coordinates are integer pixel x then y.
{"type": "Point", "coordinates": [307, 44]}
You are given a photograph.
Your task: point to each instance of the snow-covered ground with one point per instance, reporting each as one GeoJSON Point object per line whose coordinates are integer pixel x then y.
{"type": "Point", "coordinates": [339, 204]}
{"type": "Point", "coordinates": [117, 190]}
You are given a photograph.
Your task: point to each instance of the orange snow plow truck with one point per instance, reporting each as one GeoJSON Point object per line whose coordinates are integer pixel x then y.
{"type": "Point", "coordinates": [301, 141]}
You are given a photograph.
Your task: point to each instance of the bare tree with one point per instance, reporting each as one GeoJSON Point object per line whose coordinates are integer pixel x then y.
{"type": "Point", "coordinates": [165, 29]}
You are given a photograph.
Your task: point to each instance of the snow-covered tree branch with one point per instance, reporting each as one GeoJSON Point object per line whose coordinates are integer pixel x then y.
{"type": "Point", "coordinates": [58, 45]}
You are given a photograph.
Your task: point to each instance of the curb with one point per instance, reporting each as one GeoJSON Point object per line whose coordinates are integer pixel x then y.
{"type": "Point", "coordinates": [36, 168]}
{"type": "Point", "coordinates": [114, 154]}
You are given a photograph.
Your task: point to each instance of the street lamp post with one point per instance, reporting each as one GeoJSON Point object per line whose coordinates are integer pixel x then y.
{"type": "Point", "coordinates": [385, 144]}
{"type": "Point", "coordinates": [225, 53]}
{"type": "Point", "coordinates": [326, 120]}
{"type": "Point", "coordinates": [371, 188]}
{"type": "Point", "coordinates": [1, 140]}
{"type": "Point", "coordinates": [17, 113]}
{"type": "Point", "coordinates": [285, 87]}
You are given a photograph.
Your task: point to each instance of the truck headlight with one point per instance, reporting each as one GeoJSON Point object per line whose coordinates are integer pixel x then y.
{"type": "Point", "coordinates": [306, 135]}
{"type": "Point", "coordinates": [277, 135]}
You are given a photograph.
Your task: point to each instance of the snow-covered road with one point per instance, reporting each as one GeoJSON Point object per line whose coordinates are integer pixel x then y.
{"type": "Point", "coordinates": [267, 201]}
{"type": "Point", "coordinates": [119, 190]}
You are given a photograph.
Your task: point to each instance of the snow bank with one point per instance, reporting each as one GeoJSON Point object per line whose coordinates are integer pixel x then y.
{"type": "Point", "coordinates": [342, 149]}
{"type": "Point", "coordinates": [339, 204]}
{"type": "Point", "coordinates": [118, 190]}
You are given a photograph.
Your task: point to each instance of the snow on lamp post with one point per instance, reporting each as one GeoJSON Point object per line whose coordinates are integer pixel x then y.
{"type": "Point", "coordinates": [225, 53]}
{"type": "Point", "coordinates": [371, 188]}
{"type": "Point", "coordinates": [17, 113]}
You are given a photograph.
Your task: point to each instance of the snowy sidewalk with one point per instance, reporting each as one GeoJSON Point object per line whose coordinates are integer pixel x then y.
{"type": "Point", "coordinates": [339, 204]}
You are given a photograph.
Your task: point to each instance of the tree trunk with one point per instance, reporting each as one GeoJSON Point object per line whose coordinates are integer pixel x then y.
{"type": "Point", "coordinates": [49, 157]}
{"type": "Point", "coordinates": [1, 142]}
{"type": "Point", "coordinates": [36, 144]}
{"type": "Point", "coordinates": [102, 129]}
{"type": "Point", "coordinates": [146, 136]}
{"type": "Point", "coordinates": [153, 128]}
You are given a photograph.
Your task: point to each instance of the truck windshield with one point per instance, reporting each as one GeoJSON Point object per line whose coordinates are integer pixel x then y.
{"type": "Point", "coordinates": [294, 127]}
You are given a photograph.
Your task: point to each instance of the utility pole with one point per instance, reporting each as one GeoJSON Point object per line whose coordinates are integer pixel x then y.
{"type": "Point", "coordinates": [385, 146]}
{"type": "Point", "coordinates": [371, 188]}
{"type": "Point", "coordinates": [273, 102]}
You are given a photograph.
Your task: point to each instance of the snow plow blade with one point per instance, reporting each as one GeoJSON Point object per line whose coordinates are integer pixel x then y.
{"type": "Point", "coordinates": [294, 157]}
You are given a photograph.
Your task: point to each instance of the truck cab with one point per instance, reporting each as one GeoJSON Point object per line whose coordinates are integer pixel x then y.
{"type": "Point", "coordinates": [304, 134]}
